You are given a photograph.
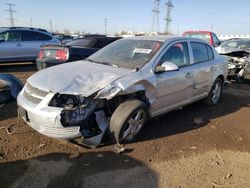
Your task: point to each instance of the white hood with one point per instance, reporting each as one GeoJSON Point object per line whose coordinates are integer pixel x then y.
{"type": "Point", "coordinates": [80, 77]}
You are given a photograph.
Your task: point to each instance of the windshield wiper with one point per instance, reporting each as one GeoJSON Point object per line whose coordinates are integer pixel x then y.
{"type": "Point", "coordinates": [110, 64]}
{"type": "Point", "coordinates": [104, 63]}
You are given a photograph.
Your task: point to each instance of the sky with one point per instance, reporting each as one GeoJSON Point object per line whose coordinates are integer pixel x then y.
{"type": "Point", "coordinates": [222, 16]}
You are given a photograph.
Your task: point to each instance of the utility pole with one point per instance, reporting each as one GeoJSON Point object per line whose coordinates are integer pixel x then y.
{"type": "Point", "coordinates": [50, 26]}
{"type": "Point", "coordinates": [168, 19]}
{"type": "Point", "coordinates": [105, 25]}
{"type": "Point", "coordinates": [155, 19]}
{"type": "Point", "coordinates": [11, 11]}
{"type": "Point", "coordinates": [31, 22]}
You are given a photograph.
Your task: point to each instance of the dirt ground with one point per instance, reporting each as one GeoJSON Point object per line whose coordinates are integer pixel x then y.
{"type": "Point", "coordinates": [198, 146]}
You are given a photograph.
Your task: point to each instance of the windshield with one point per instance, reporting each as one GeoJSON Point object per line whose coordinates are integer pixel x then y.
{"type": "Point", "coordinates": [204, 36]}
{"type": "Point", "coordinates": [127, 53]}
{"type": "Point", "coordinates": [239, 44]}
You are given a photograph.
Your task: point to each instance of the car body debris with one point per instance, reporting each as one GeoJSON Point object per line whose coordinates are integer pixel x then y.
{"type": "Point", "coordinates": [10, 86]}
{"type": "Point", "coordinates": [237, 51]}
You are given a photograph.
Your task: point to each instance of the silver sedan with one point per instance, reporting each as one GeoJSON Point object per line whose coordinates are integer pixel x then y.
{"type": "Point", "coordinates": [121, 86]}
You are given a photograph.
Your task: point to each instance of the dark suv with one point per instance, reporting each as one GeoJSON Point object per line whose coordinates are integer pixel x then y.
{"type": "Point", "coordinates": [22, 43]}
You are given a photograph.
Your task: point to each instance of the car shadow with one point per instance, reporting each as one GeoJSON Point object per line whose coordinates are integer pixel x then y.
{"type": "Point", "coordinates": [17, 67]}
{"type": "Point", "coordinates": [8, 110]}
{"type": "Point", "coordinates": [93, 169]}
{"type": "Point", "coordinates": [194, 116]}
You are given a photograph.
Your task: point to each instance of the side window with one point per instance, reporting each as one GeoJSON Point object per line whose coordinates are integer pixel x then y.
{"type": "Point", "coordinates": [210, 53]}
{"type": "Point", "coordinates": [177, 54]}
{"type": "Point", "coordinates": [34, 36]}
{"type": "Point", "coordinates": [43, 37]}
{"type": "Point", "coordinates": [216, 40]}
{"type": "Point", "coordinates": [200, 52]}
{"type": "Point", "coordinates": [3, 36]}
{"type": "Point", "coordinates": [12, 36]}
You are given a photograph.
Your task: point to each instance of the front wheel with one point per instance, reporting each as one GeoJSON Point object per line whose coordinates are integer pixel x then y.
{"type": "Point", "coordinates": [215, 93]}
{"type": "Point", "coordinates": [127, 120]}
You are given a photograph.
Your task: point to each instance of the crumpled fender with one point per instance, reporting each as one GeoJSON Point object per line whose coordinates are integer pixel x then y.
{"type": "Point", "coordinates": [14, 84]}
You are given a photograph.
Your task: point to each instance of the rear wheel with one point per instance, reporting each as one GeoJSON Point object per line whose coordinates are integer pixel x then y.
{"type": "Point", "coordinates": [128, 120]}
{"type": "Point", "coordinates": [215, 93]}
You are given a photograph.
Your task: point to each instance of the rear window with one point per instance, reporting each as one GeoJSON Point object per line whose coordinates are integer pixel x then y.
{"type": "Point", "coordinates": [201, 52]}
{"type": "Point", "coordinates": [204, 36]}
{"type": "Point", "coordinates": [82, 42]}
{"type": "Point", "coordinates": [101, 42]}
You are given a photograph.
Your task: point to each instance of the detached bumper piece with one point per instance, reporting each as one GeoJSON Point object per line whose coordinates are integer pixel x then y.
{"type": "Point", "coordinates": [96, 139]}
{"type": "Point", "coordinates": [92, 124]}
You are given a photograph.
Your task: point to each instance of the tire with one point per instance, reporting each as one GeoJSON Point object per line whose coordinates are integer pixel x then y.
{"type": "Point", "coordinates": [127, 120]}
{"type": "Point", "coordinates": [5, 96]}
{"type": "Point", "coordinates": [214, 95]}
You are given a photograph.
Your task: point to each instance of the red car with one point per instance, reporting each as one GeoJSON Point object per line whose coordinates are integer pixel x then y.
{"type": "Point", "coordinates": [208, 36]}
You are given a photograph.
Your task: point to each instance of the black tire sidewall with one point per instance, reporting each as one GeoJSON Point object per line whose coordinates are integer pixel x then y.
{"type": "Point", "coordinates": [117, 126]}
{"type": "Point", "coordinates": [122, 129]}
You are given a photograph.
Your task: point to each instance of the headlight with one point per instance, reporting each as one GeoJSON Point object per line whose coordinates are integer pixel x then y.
{"type": "Point", "coordinates": [108, 92]}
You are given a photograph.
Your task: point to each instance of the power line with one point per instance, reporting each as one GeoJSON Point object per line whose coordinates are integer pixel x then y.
{"type": "Point", "coordinates": [51, 26]}
{"type": "Point", "coordinates": [11, 11]}
{"type": "Point", "coordinates": [105, 25]}
{"type": "Point", "coordinates": [168, 19]}
{"type": "Point", "coordinates": [155, 19]}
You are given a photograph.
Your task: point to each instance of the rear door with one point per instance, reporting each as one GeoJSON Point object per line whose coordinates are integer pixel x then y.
{"type": "Point", "coordinates": [203, 67]}
{"type": "Point", "coordinates": [32, 42]}
{"type": "Point", "coordinates": [11, 47]}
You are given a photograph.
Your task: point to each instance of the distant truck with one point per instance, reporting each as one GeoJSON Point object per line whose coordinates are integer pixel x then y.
{"type": "Point", "coordinates": [208, 36]}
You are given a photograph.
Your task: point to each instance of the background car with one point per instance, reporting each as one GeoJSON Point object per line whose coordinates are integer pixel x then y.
{"type": "Point", "coordinates": [75, 50]}
{"type": "Point", "coordinates": [23, 44]}
{"type": "Point", "coordinates": [237, 52]}
{"type": "Point", "coordinates": [208, 36]}
{"type": "Point", "coordinates": [64, 38]}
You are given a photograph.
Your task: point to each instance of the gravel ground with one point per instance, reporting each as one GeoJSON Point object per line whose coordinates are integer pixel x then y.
{"type": "Point", "coordinates": [197, 146]}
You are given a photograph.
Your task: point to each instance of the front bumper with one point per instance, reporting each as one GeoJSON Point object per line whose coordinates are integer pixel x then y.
{"type": "Point", "coordinates": [45, 119]}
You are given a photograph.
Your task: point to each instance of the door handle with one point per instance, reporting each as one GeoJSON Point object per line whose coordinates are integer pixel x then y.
{"type": "Point", "coordinates": [19, 45]}
{"type": "Point", "coordinates": [212, 68]}
{"type": "Point", "coordinates": [189, 75]}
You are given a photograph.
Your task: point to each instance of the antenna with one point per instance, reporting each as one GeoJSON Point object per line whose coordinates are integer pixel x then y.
{"type": "Point", "coordinates": [11, 11]}
{"type": "Point", "coordinates": [155, 18]}
{"type": "Point", "coordinates": [168, 19]}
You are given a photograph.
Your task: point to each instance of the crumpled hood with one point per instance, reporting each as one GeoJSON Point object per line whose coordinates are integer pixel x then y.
{"type": "Point", "coordinates": [80, 77]}
{"type": "Point", "coordinates": [228, 50]}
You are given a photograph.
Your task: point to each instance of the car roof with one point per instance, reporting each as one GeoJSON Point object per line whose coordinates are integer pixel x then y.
{"type": "Point", "coordinates": [164, 38]}
{"type": "Point", "coordinates": [196, 32]}
{"type": "Point", "coordinates": [25, 29]}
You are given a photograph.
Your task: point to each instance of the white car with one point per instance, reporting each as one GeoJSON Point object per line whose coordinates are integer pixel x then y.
{"type": "Point", "coordinates": [121, 86]}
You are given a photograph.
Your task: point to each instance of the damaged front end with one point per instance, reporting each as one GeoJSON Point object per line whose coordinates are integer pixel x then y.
{"type": "Point", "coordinates": [238, 65]}
{"type": "Point", "coordinates": [84, 112]}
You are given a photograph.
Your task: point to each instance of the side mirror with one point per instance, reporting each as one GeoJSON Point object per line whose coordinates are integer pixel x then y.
{"type": "Point", "coordinates": [166, 67]}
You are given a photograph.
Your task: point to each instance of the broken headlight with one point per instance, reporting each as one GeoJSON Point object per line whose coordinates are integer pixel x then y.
{"type": "Point", "coordinates": [108, 92]}
{"type": "Point", "coordinates": [76, 109]}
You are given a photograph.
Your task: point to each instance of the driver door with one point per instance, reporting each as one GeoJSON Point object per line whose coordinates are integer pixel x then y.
{"type": "Point", "coordinates": [174, 88]}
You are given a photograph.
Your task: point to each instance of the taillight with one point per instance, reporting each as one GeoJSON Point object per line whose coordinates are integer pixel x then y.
{"type": "Point", "coordinates": [41, 53]}
{"type": "Point", "coordinates": [61, 55]}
